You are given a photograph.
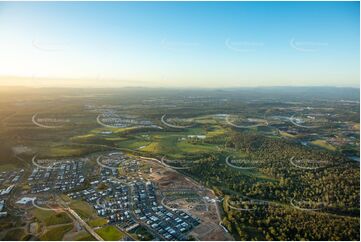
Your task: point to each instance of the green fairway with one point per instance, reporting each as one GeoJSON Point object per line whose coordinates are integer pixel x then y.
{"type": "Point", "coordinates": [323, 144]}
{"type": "Point", "coordinates": [176, 145]}
{"type": "Point", "coordinates": [83, 138]}
{"type": "Point", "coordinates": [186, 147]}
{"type": "Point", "coordinates": [133, 144]}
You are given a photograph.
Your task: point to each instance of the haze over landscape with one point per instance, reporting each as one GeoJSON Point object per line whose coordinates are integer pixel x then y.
{"type": "Point", "coordinates": [179, 44]}
{"type": "Point", "coordinates": [179, 121]}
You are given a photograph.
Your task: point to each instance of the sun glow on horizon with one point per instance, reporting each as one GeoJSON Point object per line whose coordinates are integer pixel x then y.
{"type": "Point", "coordinates": [173, 45]}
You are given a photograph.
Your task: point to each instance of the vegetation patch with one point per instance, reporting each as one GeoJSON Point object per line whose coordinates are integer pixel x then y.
{"type": "Point", "coordinates": [51, 217]}
{"type": "Point", "coordinates": [84, 236]}
{"type": "Point", "coordinates": [110, 233]}
{"type": "Point", "coordinates": [15, 234]}
{"type": "Point", "coordinates": [82, 208]}
{"type": "Point", "coordinates": [142, 233]}
{"type": "Point", "coordinates": [97, 222]}
{"type": "Point", "coordinates": [56, 233]}
{"type": "Point", "coordinates": [323, 144]}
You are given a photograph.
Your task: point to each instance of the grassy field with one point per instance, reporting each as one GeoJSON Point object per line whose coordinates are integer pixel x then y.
{"type": "Point", "coordinates": [82, 208]}
{"type": "Point", "coordinates": [159, 143]}
{"type": "Point", "coordinates": [56, 233]}
{"type": "Point", "coordinates": [174, 145]}
{"type": "Point", "coordinates": [97, 222]}
{"type": "Point", "coordinates": [133, 144]}
{"type": "Point", "coordinates": [115, 139]}
{"type": "Point", "coordinates": [65, 151]}
{"type": "Point", "coordinates": [7, 167]}
{"type": "Point", "coordinates": [15, 234]}
{"type": "Point", "coordinates": [110, 233]}
{"type": "Point", "coordinates": [51, 217]}
{"type": "Point", "coordinates": [83, 138]}
{"type": "Point", "coordinates": [84, 236]}
{"type": "Point", "coordinates": [98, 134]}
{"type": "Point", "coordinates": [323, 144]}
{"type": "Point", "coordinates": [217, 131]}
{"type": "Point", "coordinates": [59, 150]}
{"type": "Point", "coordinates": [287, 135]}
{"type": "Point", "coordinates": [356, 127]}
{"type": "Point", "coordinates": [206, 119]}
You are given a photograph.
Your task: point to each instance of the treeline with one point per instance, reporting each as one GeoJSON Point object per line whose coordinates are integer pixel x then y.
{"type": "Point", "coordinates": [270, 222]}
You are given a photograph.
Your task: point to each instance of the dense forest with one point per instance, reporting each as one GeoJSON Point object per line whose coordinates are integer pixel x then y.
{"type": "Point", "coordinates": [289, 203]}
{"type": "Point", "coordinates": [271, 222]}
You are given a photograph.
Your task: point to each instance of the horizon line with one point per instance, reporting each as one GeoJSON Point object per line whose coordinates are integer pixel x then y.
{"type": "Point", "coordinates": [165, 88]}
{"type": "Point", "coordinates": [139, 84]}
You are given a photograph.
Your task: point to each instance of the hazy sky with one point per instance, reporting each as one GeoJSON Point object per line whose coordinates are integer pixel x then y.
{"type": "Point", "coordinates": [180, 44]}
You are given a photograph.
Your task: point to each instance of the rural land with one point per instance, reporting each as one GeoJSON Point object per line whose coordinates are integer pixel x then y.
{"type": "Point", "coordinates": [276, 163]}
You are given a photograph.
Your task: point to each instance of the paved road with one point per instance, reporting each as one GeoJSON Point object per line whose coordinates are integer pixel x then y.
{"type": "Point", "coordinates": [84, 224]}
{"type": "Point", "coordinates": [151, 230]}
{"type": "Point", "coordinates": [125, 232]}
{"type": "Point", "coordinates": [81, 221]}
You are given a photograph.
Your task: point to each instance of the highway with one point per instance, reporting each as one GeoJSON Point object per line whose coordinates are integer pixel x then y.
{"type": "Point", "coordinates": [84, 224]}
{"type": "Point", "coordinates": [80, 220]}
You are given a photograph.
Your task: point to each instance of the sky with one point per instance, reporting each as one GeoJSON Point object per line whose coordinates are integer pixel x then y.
{"type": "Point", "coordinates": [180, 44]}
